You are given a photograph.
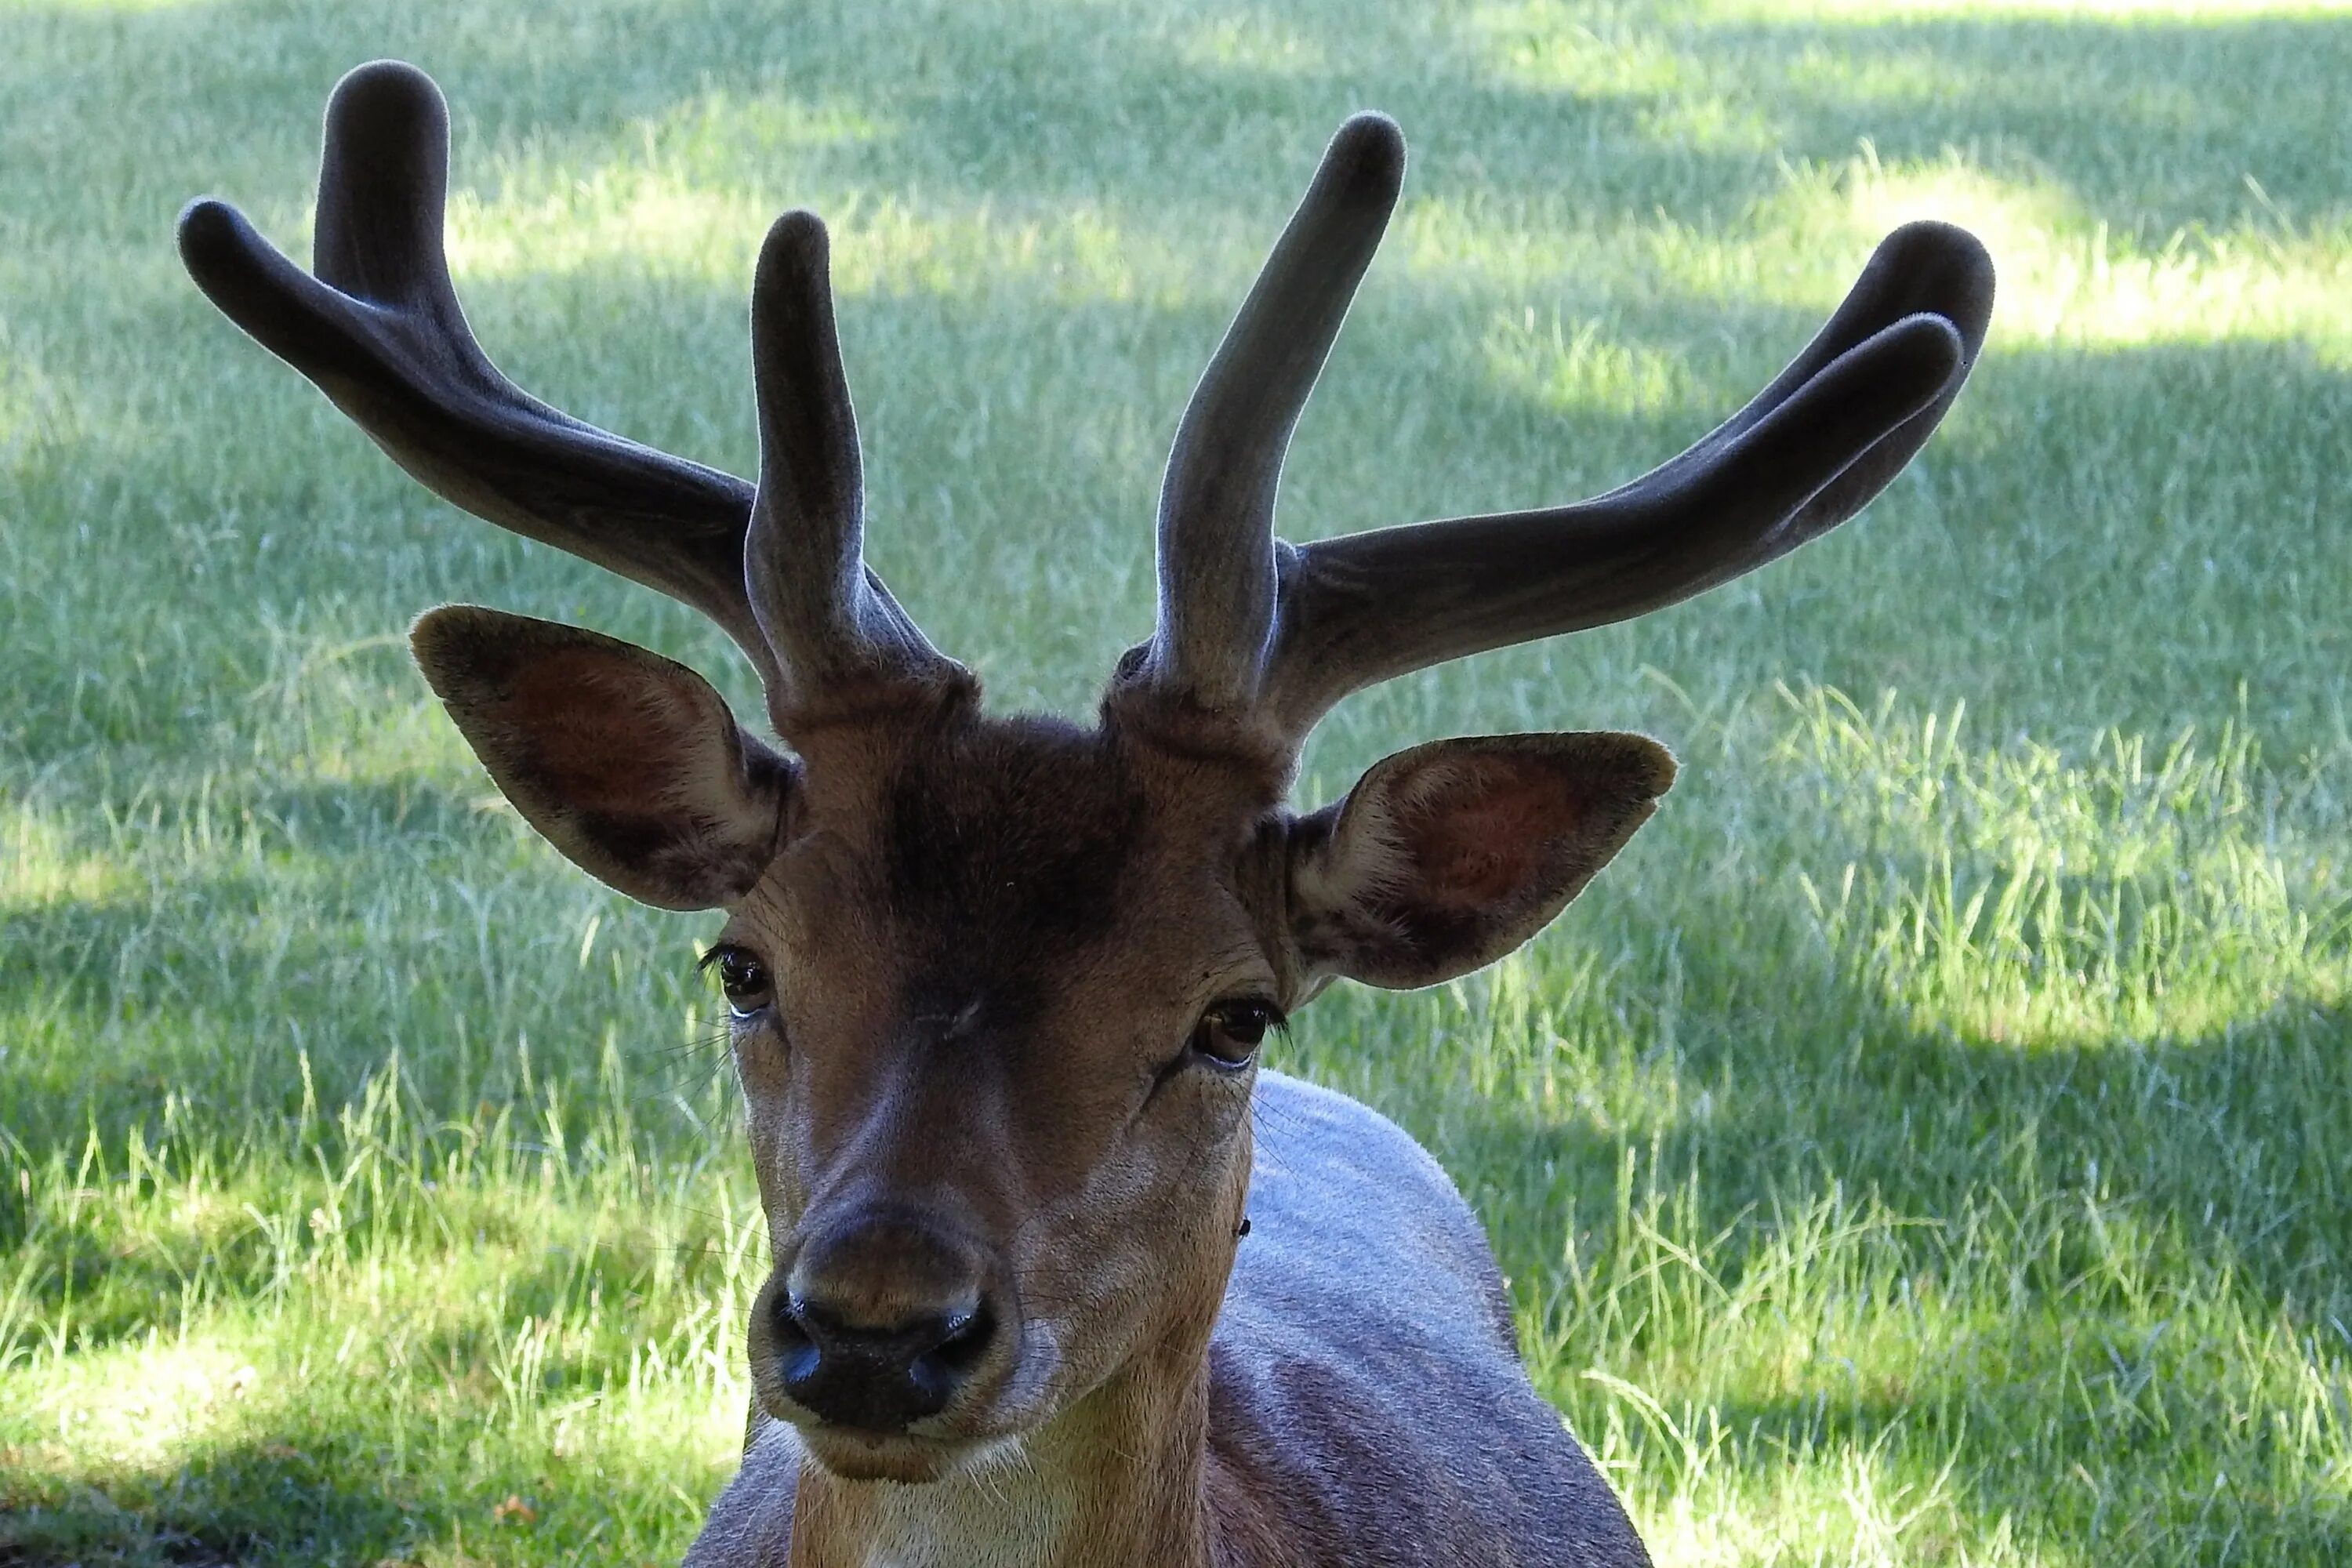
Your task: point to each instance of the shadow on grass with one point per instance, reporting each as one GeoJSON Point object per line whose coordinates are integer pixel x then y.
{"type": "Point", "coordinates": [173, 1029]}
{"type": "Point", "coordinates": [36, 1538]}
{"type": "Point", "coordinates": [431, 1429]}
{"type": "Point", "coordinates": [261, 1504]}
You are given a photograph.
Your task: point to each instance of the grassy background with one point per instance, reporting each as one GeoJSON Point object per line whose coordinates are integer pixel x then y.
{"type": "Point", "coordinates": [1928, 1144]}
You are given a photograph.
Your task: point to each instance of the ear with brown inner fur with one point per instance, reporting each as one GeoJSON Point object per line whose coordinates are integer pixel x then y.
{"type": "Point", "coordinates": [1445, 857]}
{"type": "Point", "coordinates": [628, 763]}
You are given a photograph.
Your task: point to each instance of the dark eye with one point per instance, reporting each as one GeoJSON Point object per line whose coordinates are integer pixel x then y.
{"type": "Point", "coordinates": [743, 978]}
{"type": "Point", "coordinates": [1230, 1033]}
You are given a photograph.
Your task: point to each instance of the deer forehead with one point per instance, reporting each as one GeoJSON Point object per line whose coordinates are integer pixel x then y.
{"type": "Point", "coordinates": [990, 865]}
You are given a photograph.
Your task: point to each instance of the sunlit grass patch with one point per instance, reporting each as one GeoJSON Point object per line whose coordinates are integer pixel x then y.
{"type": "Point", "coordinates": [40, 862]}
{"type": "Point", "coordinates": [2066, 279]}
{"type": "Point", "coordinates": [133, 1410]}
{"type": "Point", "coordinates": [2020, 897]}
{"type": "Point", "coordinates": [1555, 365]}
{"type": "Point", "coordinates": [1544, 44]}
{"type": "Point", "coordinates": [560, 1312]}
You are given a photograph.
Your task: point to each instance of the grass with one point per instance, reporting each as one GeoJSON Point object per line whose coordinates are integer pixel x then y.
{"type": "Point", "coordinates": [1926, 1145]}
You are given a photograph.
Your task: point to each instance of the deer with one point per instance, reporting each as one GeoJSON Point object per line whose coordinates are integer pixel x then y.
{"type": "Point", "coordinates": [1060, 1273]}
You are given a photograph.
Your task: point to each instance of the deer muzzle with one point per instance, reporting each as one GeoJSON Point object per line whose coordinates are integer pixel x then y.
{"type": "Point", "coordinates": [878, 1322]}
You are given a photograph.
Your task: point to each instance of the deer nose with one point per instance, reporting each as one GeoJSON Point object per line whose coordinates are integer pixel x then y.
{"type": "Point", "coordinates": [877, 1380]}
{"type": "Point", "coordinates": [879, 1323]}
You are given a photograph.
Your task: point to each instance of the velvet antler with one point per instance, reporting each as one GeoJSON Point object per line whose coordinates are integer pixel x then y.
{"type": "Point", "coordinates": [1265, 634]}
{"type": "Point", "coordinates": [380, 332]}
{"type": "Point", "coordinates": [1272, 635]}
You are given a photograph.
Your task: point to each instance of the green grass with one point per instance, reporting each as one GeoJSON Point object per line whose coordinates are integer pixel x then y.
{"type": "Point", "coordinates": [1932, 1142]}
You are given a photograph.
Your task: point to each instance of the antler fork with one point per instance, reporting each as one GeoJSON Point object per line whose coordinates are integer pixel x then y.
{"type": "Point", "coordinates": [379, 330]}
{"type": "Point", "coordinates": [1273, 633]}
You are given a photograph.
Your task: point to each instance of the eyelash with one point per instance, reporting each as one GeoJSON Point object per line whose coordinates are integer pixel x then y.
{"type": "Point", "coordinates": [740, 975]}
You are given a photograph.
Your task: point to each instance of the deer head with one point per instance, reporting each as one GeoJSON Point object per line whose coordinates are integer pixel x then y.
{"type": "Point", "coordinates": [997, 984]}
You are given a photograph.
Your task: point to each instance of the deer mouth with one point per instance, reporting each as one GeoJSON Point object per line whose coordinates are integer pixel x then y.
{"type": "Point", "coordinates": [905, 1458]}
{"type": "Point", "coordinates": [958, 1438]}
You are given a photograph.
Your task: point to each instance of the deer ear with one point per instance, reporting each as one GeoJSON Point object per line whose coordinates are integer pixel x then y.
{"type": "Point", "coordinates": [628, 763]}
{"type": "Point", "coordinates": [1445, 857]}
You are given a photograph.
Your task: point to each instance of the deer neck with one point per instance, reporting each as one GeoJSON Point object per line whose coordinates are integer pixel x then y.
{"type": "Point", "coordinates": [1117, 1479]}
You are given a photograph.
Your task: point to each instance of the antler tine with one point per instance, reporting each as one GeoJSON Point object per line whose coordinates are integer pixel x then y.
{"type": "Point", "coordinates": [380, 332]}
{"type": "Point", "coordinates": [1807, 453]}
{"type": "Point", "coordinates": [834, 627]}
{"type": "Point", "coordinates": [1216, 503]}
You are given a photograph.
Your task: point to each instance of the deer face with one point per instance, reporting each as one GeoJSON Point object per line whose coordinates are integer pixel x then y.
{"type": "Point", "coordinates": [994, 1020]}
{"type": "Point", "coordinates": [996, 989]}
{"type": "Point", "coordinates": [996, 984]}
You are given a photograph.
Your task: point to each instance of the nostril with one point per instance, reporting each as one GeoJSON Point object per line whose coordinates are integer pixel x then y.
{"type": "Point", "coordinates": [945, 1353]}
{"type": "Point", "coordinates": [795, 1340]}
{"type": "Point", "coordinates": [964, 1340]}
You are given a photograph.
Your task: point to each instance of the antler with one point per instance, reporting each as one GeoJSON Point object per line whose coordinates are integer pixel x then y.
{"type": "Point", "coordinates": [1272, 634]}
{"type": "Point", "coordinates": [1249, 627]}
{"type": "Point", "coordinates": [1217, 587]}
{"type": "Point", "coordinates": [831, 623]}
{"type": "Point", "coordinates": [379, 330]}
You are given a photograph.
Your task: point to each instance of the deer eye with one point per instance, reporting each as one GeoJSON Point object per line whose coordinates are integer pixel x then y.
{"type": "Point", "coordinates": [1230, 1033]}
{"type": "Point", "coordinates": [743, 978]}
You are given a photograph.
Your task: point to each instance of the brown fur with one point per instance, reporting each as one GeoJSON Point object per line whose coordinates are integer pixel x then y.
{"type": "Point", "coordinates": [990, 941]}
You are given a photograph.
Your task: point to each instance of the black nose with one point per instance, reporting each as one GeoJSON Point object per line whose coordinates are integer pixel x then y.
{"type": "Point", "coordinates": [878, 1379]}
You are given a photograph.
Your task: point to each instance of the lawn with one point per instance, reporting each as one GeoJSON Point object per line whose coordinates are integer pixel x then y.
{"type": "Point", "coordinates": [1931, 1143]}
